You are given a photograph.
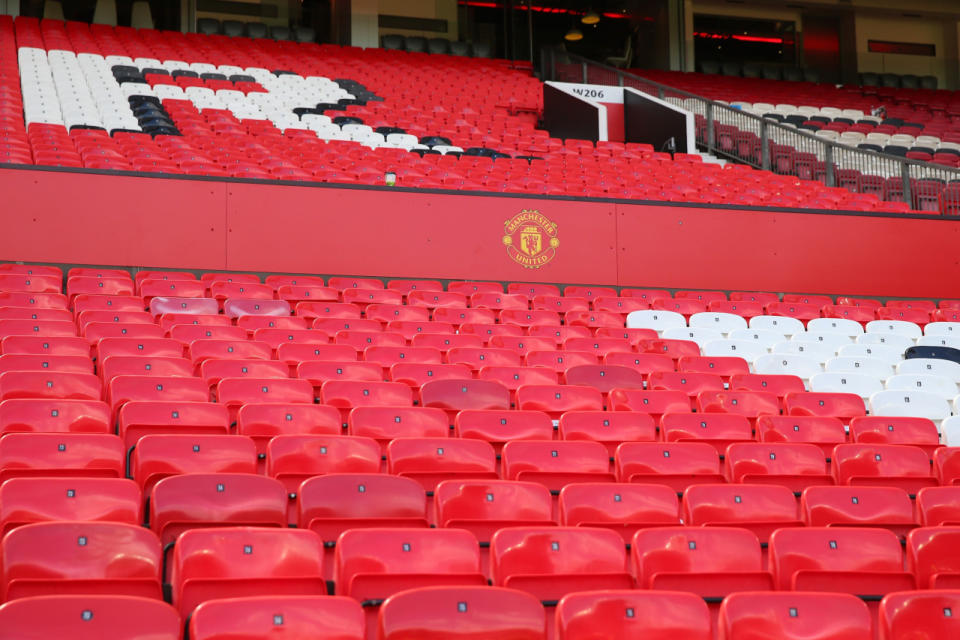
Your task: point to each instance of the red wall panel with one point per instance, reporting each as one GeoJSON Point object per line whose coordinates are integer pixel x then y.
{"type": "Point", "coordinates": [403, 234]}
{"type": "Point", "coordinates": [74, 218]}
{"type": "Point", "coordinates": [788, 252]}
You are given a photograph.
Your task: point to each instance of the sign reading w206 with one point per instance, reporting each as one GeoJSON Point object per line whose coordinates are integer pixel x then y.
{"type": "Point", "coordinates": [588, 93]}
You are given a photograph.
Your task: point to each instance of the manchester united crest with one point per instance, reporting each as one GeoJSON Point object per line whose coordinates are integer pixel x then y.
{"type": "Point", "coordinates": [530, 238]}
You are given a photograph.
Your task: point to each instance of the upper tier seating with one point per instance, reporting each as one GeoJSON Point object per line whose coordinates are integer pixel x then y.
{"type": "Point", "coordinates": [98, 97]}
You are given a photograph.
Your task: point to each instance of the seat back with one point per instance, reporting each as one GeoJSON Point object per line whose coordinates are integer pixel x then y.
{"type": "Point", "coordinates": [298, 616]}
{"type": "Point", "coordinates": [460, 613]}
{"type": "Point", "coordinates": [229, 562]}
{"type": "Point", "coordinates": [708, 561]}
{"type": "Point", "coordinates": [373, 564]}
{"type": "Point", "coordinates": [549, 562]}
{"type": "Point", "coordinates": [90, 617]}
{"type": "Point", "coordinates": [860, 561]}
{"type": "Point", "coordinates": [618, 506]}
{"type": "Point", "coordinates": [330, 504]}
{"type": "Point", "coordinates": [59, 558]}
{"type": "Point", "coordinates": [432, 460]}
{"type": "Point", "coordinates": [759, 508]}
{"type": "Point", "coordinates": [556, 463]}
{"type": "Point", "coordinates": [26, 500]}
{"type": "Point", "coordinates": [485, 506]}
{"type": "Point", "coordinates": [795, 616]}
{"type": "Point", "coordinates": [909, 614]}
{"type": "Point", "coordinates": [159, 456]}
{"type": "Point", "coordinates": [61, 454]}
{"type": "Point", "coordinates": [675, 464]}
{"type": "Point", "coordinates": [194, 500]}
{"type": "Point", "coordinates": [622, 615]}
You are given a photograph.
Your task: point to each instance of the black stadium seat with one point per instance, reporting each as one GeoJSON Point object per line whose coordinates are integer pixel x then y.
{"type": "Point", "coordinates": [256, 30]}
{"type": "Point", "coordinates": [208, 26]}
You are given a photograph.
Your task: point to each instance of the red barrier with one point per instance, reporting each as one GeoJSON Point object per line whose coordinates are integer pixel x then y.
{"type": "Point", "coordinates": [74, 218]}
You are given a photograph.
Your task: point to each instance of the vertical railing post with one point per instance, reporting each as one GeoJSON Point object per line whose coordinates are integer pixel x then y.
{"type": "Point", "coordinates": [831, 177]}
{"type": "Point", "coordinates": [584, 64]}
{"type": "Point", "coordinates": [711, 137]}
{"type": "Point", "coordinates": [905, 178]}
{"type": "Point", "coordinates": [620, 78]}
{"type": "Point", "coordinates": [764, 145]}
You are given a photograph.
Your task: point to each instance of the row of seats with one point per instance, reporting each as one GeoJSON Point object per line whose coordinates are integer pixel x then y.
{"type": "Point", "coordinates": [452, 485]}
{"type": "Point", "coordinates": [548, 563]}
{"type": "Point", "coordinates": [235, 28]}
{"type": "Point", "coordinates": [418, 44]}
{"type": "Point", "coordinates": [489, 445]}
{"type": "Point", "coordinates": [464, 611]}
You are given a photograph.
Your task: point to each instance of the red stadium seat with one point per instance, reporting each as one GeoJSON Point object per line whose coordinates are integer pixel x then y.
{"type": "Point", "coordinates": [157, 456]}
{"type": "Point", "coordinates": [193, 500]}
{"type": "Point", "coordinates": [383, 424]}
{"type": "Point", "coordinates": [550, 562]}
{"type": "Point", "coordinates": [918, 432]}
{"type": "Point", "coordinates": [454, 396]}
{"type": "Point", "coordinates": [656, 403]}
{"type": "Point", "coordinates": [621, 507]}
{"type": "Point", "coordinates": [500, 426]}
{"type": "Point", "coordinates": [348, 394]}
{"type": "Point", "coordinates": [291, 459]}
{"type": "Point", "coordinates": [263, 421]}
{"type": "Point", "coordinates": [433, 460]}
{"type": "Point", "coordinates": [888, 507]}
{"type": "Point", "coordinates": [779, 385]}
{"type": "Point", "coordinates": [62, 416]}
{"type": "Point", "coordinates": [825, 432]}
{"type": "Point", "coordinates": [751, 404]}
{"type": "Point", "coordinates": [209, 564]}
{"type": "Point", "coordinates": [461, 613]}
{"type": "Point", "coordinates": [604, 378]}
{"type": "Point", "coordinates": [49, 385]}
{"type": "Point", "coordinates": [123, 389]}
{"type": "Point", "coordinates": [844, 406]}
{"type": "Point", "coordinates": [716, 429]}
{"type": "Point", "coordinates": [555, 400]}
{"type": "Point", "coordinates": [859, 561]}
{"type": "Point", "coordinates": [607, 427]}
{"type": "Point", "coordinates": [677, 464]}
{"type": "Point", "coordinates": [485, 506]}
{"type": "Point", "coordinates": [760, 508]}
{"type": "Point", "coordinates": [61, 558]}
{"type": "Point", "coordinates": [27, 500]}
{"type": "Point", "coordinates": [54, 346]}
{"type": "Point", "coordinates": [711, 562]}
{"type": "Point", "coordinates": [93, 455]}
{"type": "Point", "coordinates": [793, 465]}
{"type": "Point", "coordinates": [333, 503]}
{"type": "Point", "coordinates": [297, 616]}
{"type": "Point", "coordinates": [622, 615]}
{"type": "Point", "coordinates": [910, 614]}
{"type": "Point", "coordinates": [938, 506]}
{"type": "Point", "coordinates": [140, 418]}
{"type": "Point", "coordinates": [794, 616]}
{"type": "Point", "coordinates": [373, 564]}
{"type": "Point", "coordinates": [933, 556]}
{"type": "Point", "coordinates": [163, 366]}
{"type": "Point", "coordinates": [889, 465]}
{"type": "Point", "coordinates": [555, 464]}
{"type": "Point", "coordinates": [90, 617]}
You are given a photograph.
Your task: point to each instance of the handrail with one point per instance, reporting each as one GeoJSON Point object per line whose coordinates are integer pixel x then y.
{"type": "Point", "coordinates": [762, 142]}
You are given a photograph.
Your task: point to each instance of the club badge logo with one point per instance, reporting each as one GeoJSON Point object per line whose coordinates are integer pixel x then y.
{"type": "Point", "coordinates": [530, 238]}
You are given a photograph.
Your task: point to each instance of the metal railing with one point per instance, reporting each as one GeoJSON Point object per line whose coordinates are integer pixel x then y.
{"type": "Point", "coordinates": [728, 131]}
